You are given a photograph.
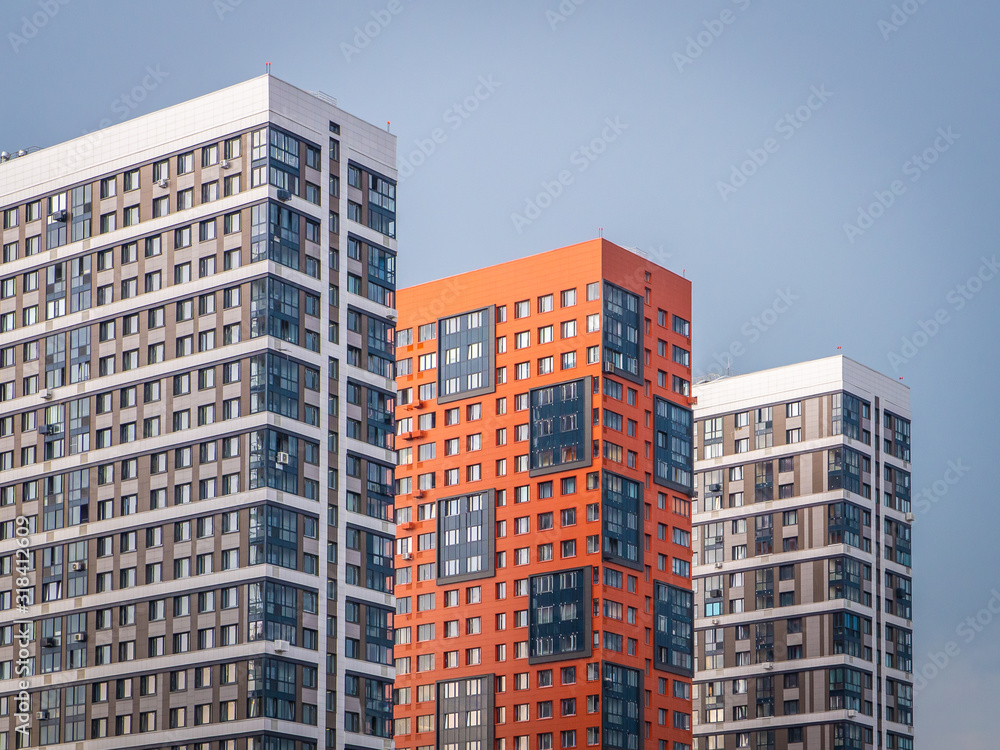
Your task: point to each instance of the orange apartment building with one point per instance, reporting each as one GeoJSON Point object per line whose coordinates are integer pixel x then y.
{"type": "Point", "coordinates": [543, 506]}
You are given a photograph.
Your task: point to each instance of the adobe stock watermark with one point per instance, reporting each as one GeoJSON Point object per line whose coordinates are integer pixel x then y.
{"type": "Point", "coordinates": [713, 29]}
{"type": "Point", "coordinates": [786, 126]}
{"type": "Point", "coordinates": [33, 24]}
{"type": "Point", "coordinates": [637, 276]}
{"type": "Point", "coordinates": [658, 254]}
{"type": "Point", "coordinates": [363, 35]}
{"type": "Point", "coordinates": [957, 299]}
{"type": "Point", "coordinates": [581, 158]}
{"type": "Point", "coordinates": [750, 333]}
{"type": "Point", "coordinates": [939, 489]}
{"type": "Point", "coordinates": [450, 293]}
{"type": "Point", "coordinates": [75, 153]}
{"type": "Point", "coordinates": [454, 117]}
{"type": "Point", "coordinates": [23, 629]}
{"type": "Point", "coordinates": [900, 16]}
{"type": "Point", "coordinates": [562, 12]}
{"type": "Point", "coordinates": [967, 630]}
{"type": "Point", "coordinates": [223, 8]}
{"type": "Point", "coordinates": [914, 168]}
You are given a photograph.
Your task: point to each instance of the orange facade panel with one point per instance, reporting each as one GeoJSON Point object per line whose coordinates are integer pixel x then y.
{"type": "Point", "coordinates": [536, 535]}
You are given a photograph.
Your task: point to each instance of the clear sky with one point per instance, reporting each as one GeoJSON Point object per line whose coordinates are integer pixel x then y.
{"type": "Point", "coordinates": [742, 142]}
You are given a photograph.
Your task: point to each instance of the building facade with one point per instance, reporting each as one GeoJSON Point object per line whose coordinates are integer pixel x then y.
{"type": "Point", "coordinates": [196, 406]}
{"type": "Point", "coordinates": [803, 560]}
{"type": "Point", "coordinates": [543, 506]}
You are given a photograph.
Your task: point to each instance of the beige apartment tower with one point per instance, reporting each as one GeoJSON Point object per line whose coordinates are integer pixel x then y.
{"type": "Point", "coordinates": [196, 407]}
{"type": "Point", "coordinates": [802, 575]}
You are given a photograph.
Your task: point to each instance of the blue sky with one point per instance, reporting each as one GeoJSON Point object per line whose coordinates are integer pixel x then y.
{"type": "Point", "coordinates": [840, 155]}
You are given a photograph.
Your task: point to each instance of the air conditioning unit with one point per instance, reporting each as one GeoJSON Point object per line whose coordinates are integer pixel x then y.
{"type": "Point", "coordinates": [46, 395]}
{"type": "Point", "coordinates": [715, 488]}
{"type": "Point", "coordinates": [715, 621]}
{"type": "Point", "coordinates": [909, 517]}
{"type": "Point", "coordinates": [718, 566]}
{"type": "Point", "coordinates": [408, 526]}
{"type": "Point", "coordinates": [78, 566]}
{"type": "Point", "coordinates": [769, 666]}
{"type": "Point", "coordinates": [280, 646]}
{"type": "Point", "coordinates": [391, 316]}
{"type": "Point", "coordinates": [79, 638]}
{"type": "Point", "coordinates": [282, 458]}
{"type": "Point", "coordinates": [48, 642]}
{"type": "Point", "coordinates": [59, 215]}
{"type": "Point", "coordinates": [407, 555]}
{"type": "Point", "coordinates": [41, 715]}
{"type": "Point", "coordinates": [44, 430]}
{"type": "Point", "coordinates": [418, 493]}
{"type": "Point", "coordinates": [851, 713]}
{"type": "Point", "coordinates": [609, 367]}
{"type": "Point", "coordinates": [224, 163]}
{"type": "Point", "coordinates": [715, 593]}
{"type": "Point", "coordinates": [284, 195]}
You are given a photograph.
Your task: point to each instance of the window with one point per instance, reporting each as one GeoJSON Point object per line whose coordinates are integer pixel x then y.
{"type": "Point", "coordinates": [231, 185]}
{"type": "Point", "coordinates": [185, 163]}
{"type": "Point", "coordinates": [185, 199]}
{"type": "Point", "coordinates": [10, 218]}
{"type": "Point", "coordinates": [130, 180]}
{"type": "Point", "coordinates": [232, 148]}
{"type": "Point", "coordinates": [161, 206]}
{"type": "Point", "coordinates": [210, 155]}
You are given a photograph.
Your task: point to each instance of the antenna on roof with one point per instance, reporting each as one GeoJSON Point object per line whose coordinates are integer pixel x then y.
{"type": "Point", "coordinates": [387, 124]}
{"type": "Point", "coordinates": [267, 67]}
{"type": "Point", "coordinates": [600, 232]}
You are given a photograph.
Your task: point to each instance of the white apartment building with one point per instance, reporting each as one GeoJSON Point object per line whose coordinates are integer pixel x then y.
{"type": "Point", "coordinates": [196, 426]}
{"type": "Point", "coordinates": [802, 575]}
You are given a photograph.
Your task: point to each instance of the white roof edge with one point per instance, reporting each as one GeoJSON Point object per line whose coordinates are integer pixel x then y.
{"type": "Point", "coordinates": [801, 380]}
{"type": "Point", "coordinates": [114, 145]}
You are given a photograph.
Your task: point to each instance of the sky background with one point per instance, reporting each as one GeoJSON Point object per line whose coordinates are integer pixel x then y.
{"type": "Point", "coordinates": [523, 91]}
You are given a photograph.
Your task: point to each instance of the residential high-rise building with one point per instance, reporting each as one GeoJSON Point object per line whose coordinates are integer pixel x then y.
{"type": "Point", "coordinates": [543, 506]}
{"type": "Point", "coordinates": [196, 363]}
{"type": "Point", "coordinates": [803, 576]}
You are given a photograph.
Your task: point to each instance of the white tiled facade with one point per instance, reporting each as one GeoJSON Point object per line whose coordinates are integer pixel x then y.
{"type": "Point", "coordinates": [196, 399]}
{"type": "Point", "coordinates": [803, 581]}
